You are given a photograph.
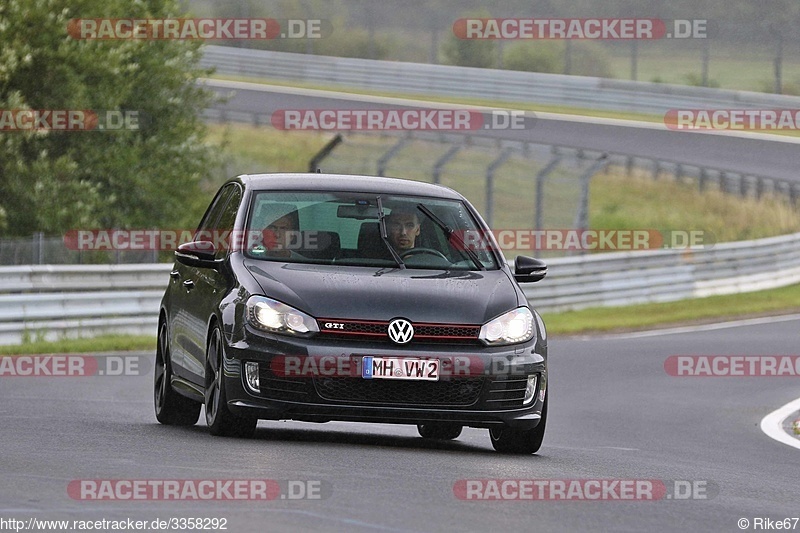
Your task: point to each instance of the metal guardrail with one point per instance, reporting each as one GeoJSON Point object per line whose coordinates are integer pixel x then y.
{"type": "Point", "coordinates": [493, 84]}
{"type": "Point", "coordinates": [624, 278]}
{"type": "Point", "coordinates": [50, 302]}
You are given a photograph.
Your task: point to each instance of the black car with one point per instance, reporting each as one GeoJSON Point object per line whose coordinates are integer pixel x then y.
{"type": "Point", "coordinates": [321, 297]}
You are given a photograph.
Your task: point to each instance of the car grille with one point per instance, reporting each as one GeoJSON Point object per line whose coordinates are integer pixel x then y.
{"type": "Point", "coordinates": [453, 392]}
{"type": "Point", "coordinates": [503, 392]}
{"type": "Point", "coordinates": [377, 330]}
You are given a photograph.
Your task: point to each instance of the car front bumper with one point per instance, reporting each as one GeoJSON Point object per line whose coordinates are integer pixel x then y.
{"type": "Point", "coordinates": [319, 380]}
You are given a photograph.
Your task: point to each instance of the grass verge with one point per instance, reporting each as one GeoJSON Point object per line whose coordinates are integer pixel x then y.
{"type": "Point", "coordinates": [105, 343]}
{"type": "Point", "coordinates": [783, 300]}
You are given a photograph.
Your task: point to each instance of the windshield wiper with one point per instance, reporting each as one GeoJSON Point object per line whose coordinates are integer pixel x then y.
{"type": "Point", "coordinates": [451, 234]}
{"type": "Point", "coordinates": [385, 236]}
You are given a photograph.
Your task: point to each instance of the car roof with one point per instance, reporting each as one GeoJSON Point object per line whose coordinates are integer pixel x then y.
{"type": "Point", "coordinates": [344, 183]}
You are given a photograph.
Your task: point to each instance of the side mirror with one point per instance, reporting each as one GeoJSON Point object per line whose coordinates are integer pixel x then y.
{"type": "Point", "coordinates": [197, 254]}
{"type": "Point", "coordinates": [529, 269]}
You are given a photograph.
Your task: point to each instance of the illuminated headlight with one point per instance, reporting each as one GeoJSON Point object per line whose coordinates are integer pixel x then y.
{"type": "Point", "coordinates": [270, 315]}
{"type": "Point", "coordinates": [530, 390]}
{"type": "Point", "coordinates": [510, 328]}
{"type": "Point", "coordinates": [251, 375]}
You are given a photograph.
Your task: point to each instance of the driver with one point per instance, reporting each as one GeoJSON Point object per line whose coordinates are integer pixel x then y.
{"type": "Point", "coordinates": [402, 229]}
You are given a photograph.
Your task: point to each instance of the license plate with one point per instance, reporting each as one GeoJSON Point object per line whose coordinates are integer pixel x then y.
{"type": "Point", "coordinates": [400, 368]}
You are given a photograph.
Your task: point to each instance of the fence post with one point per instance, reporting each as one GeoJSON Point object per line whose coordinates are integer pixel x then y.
{"type": "Point", "coordinates": [504, 155]}
{"type": "Point", "coordinates": [582, 217]}
{"type": "Point", "coordinates": [442, 161]}
{"type": "Point", "coordinates": [540, 177]}
{"type": "Point", "coordinates": [385, 158]}
{"type": "Point", "coordinates": [313, 165]}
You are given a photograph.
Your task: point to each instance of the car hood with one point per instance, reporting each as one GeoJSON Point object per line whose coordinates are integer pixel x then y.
{"type": "Point", "coordinates": [344, 292]}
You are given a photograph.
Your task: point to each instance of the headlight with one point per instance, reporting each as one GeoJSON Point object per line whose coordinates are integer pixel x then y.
{"type": "Point", "coordinates": [275, 317]}
{"type": "Point", "coordinates": [510, 328]}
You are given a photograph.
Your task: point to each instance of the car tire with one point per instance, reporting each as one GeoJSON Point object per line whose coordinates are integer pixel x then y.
{"type": "Point", "coordinates": [508, 440]}
{"type": "Point", "coordinates": [171, 408]}
{"type": "Point", "coordinates": [439, 431]}
{"type": "Point", "coordinates": [221, 422]}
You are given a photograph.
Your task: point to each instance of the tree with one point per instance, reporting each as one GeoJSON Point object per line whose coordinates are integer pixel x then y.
{"type": "Point", "coordinates": [54, 181]}
{"type": "Point", "coordinates": [470, 52]}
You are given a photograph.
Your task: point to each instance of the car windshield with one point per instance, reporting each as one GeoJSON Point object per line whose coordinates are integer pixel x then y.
{"type": "Point", "coordinates": [366, 229]}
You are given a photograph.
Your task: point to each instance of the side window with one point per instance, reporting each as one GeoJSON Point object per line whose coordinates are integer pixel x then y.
{"type": "Point", "coordinates": [228, 218]}
{"type": "Point", "coordinates": [205, 231]}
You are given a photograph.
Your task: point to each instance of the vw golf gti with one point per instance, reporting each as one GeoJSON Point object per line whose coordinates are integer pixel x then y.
{"type": "Point", "coordinates": [321, 297]}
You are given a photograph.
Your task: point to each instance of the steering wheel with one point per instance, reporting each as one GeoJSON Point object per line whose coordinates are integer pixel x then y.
{"type": "Point", "coordinates": [418, 251]}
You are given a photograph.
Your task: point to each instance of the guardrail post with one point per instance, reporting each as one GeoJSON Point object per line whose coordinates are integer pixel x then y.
{"type": "Point", "coordinates": [702, 179]}
{"type": "Point", "coordinates": [442, 161]}
{"type": "Point", "coordinates": [742, 185]}
{"type": "Point", "coordinates": [629, 165]}
{"type": "Point", "coordinates": [540, 177]}
{"type": "Point", "coordinates": [656, 168]}
{"type": "Point", "coordinates": [678, 172]}
{"type": "Point", "coordinates": [313, 165]}
{"type": "Point", "coordinates": [385, 158]}
{"type": "Point", "coordinates": [759, 187]}
{"type": "Point", "coordinates": [37, 248]}
{"type": "Point", "coordinates": [504, 155]}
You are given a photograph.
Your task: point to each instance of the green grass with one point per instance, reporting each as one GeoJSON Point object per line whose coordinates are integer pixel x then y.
{"type": "Point", "coordinates": [637, 202]}
{"type": "Point", "coordinates": [105, 343]}
{"type": "Point", "coordinates": [783, 300]}
{"type": "Point", "coordinates": [747, 68]}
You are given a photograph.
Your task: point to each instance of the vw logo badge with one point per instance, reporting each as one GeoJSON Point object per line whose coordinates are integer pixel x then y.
{"type": "Point", "coordinates": [401, 331]}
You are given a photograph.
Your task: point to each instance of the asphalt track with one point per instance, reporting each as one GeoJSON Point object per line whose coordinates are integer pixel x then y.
{"type": "Point", "coordinates": [615, 414]}
{"type": "Point", "coordinates": [748, 154]}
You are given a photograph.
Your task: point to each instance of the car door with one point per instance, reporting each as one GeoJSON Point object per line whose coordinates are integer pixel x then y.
{"type": "Point", "coordinates": [185, 327]}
